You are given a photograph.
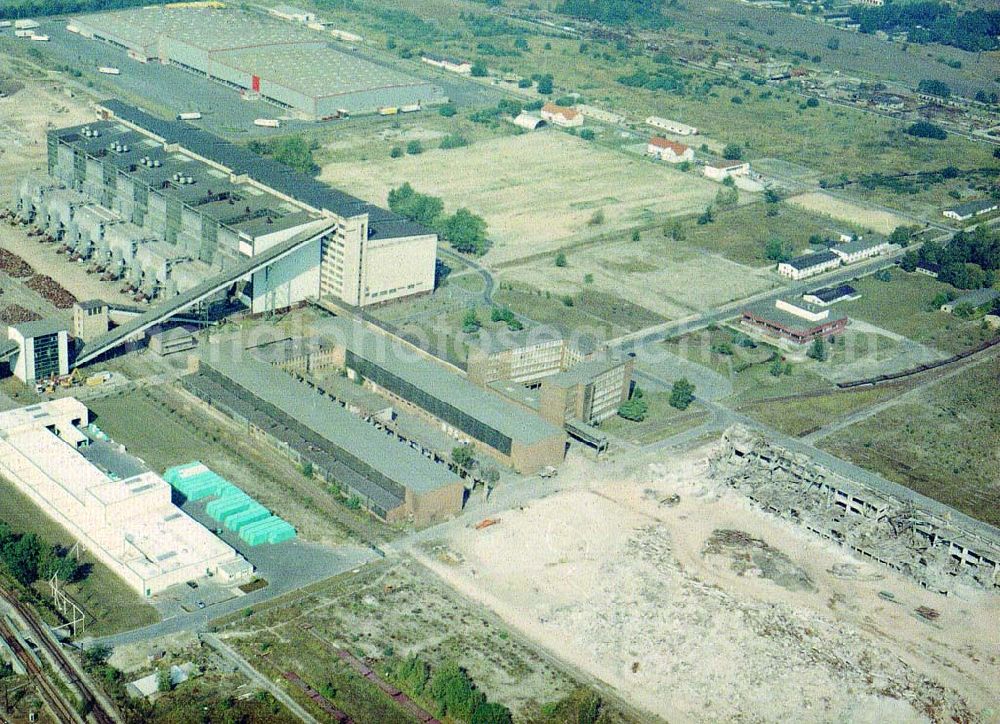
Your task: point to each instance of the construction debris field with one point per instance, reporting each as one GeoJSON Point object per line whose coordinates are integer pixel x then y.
{"type": "Point", "coordinates": [655, 579]}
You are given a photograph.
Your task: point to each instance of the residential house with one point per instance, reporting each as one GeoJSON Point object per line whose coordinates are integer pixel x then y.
{"type": "Point", "coordinates": [669, 151]}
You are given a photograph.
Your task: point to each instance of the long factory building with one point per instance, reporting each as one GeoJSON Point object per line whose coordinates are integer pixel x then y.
{"type": "Point", "coordinates": [518, 437]}
{"type": "Point", "coordinates": [294, 68]}
{"type": "Point", "coordinates": [391, 479]}
{"type": "Point", "coordinates": [118, 511]}
{"type": "Point", "coordinates": [171, 205]}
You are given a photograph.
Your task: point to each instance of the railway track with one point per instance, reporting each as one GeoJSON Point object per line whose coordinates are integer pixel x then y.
{"type": "Point", "coordinates": [64, 711]}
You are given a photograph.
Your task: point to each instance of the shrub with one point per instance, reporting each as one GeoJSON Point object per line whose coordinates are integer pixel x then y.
{"type": "Point", "coordinates": [414, 147]}
{"type": "Point", "coordinates": [926, 129]}
{"type": "Point", "coordinates": [561, 259]}
{"type": "Point", "coordinates": [682, 394]}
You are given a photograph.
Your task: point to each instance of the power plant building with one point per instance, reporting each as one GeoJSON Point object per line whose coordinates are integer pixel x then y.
{"type": "Point", "coordinates": [167, 205]}
{"type": "Point", "coordinates": [116, 509]}
{"type": "Point", "coordinates": [260, 57]}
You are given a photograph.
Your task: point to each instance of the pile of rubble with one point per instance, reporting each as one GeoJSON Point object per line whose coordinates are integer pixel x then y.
{"type": "Point", "coordinates": [51, 290]}
{"type": "Point", "coordinates": [13, 265]}
{"type": "Point", "coordinates": [16, 314]}
{"type": "Point", "coordinates": [933, 551]}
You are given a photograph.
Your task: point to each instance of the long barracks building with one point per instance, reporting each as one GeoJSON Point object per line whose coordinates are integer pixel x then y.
{"type": "Point", "coordinates": [213, 203]}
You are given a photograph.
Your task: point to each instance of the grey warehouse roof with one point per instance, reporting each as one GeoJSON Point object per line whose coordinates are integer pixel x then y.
{"type": "Point", "coordinates": [971, 208]}
{"type": "Point", "coordinates": [383, 224]}
{"type": "Point", "coordinates": [792, 322]}
{"type": "Point", "coordinates": [851, 247]}
{"type": "Point", "coordinates": [330, 421]}
{"type": "Point", "coordinates": [506, 418]}
{"type": "Point", "coordinates": [807, 261]}
{"type": "Point", "coordinates": [831, 294]}
{"type": "Point", "coordinates": [41, 327]}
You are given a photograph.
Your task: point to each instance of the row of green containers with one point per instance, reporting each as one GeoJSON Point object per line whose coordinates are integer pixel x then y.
{"type": "Point", "coordinates": [236, 510]}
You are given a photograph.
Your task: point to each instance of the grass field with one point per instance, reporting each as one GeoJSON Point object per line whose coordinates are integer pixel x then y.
{"type": "Point", "coordinates": [386, 612]}
{"type": "Point", "coordinates": [741, 234]}
{"type": "Point", "coordinates": [848, 212]}
{"type": "Point", "coordinates": [800, 416]}
{"type": "Point", "coordinates": [183, 433]}
{"type": "Point", "coordinates": [662, 421]}
{"type": "Point", "coordinates": [109, 603]}
{"type": "Point", "coordinates": [943, 446]}
{"type": "Point", "coordinates": [901, 306]}
{"type": "Point", "coordinates": [670, 278]}
{"type": "Point", "coordinates": [537, 191]}
{"type": "Point", "coordinates": [591, 309]}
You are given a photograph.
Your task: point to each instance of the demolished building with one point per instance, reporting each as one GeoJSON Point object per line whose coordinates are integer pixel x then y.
{"type": "Point", "coordinates": [937, 550]}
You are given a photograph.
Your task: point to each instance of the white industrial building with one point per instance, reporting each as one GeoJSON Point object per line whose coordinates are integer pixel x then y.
{"type": "Point", "coordinates": [721, 170]}
{"type": "Point", "coordinates": [42, 350]}
{"type": "Point", "coordinates": [118, 511]}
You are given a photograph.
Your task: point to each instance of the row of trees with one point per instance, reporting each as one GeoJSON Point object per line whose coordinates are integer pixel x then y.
{"type": "Point", "coordinates": [465, 231]}
{"type": "Point", "coordinates": [615, 12]}
{"type": "Point", "coordinates": [29, 8]}
{"type": "Point", "coordinates": [969, 261]}
{"type": "Point", "coordinates": [637, 407]}
{"type": "Point", "coordinates": [28, 558]}
{"type": "Point", "coordinates": [929, 21]}
{"type": "Point", "coordinates": [452, 689]}
{"type": "Point", "coordinates": [292, 151]}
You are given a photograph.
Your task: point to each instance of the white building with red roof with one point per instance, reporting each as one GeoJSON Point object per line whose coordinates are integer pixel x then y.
{"type": "Point", "coordinates": [562, 116]}
{"type": "Point", "coordinates": [669, 151]}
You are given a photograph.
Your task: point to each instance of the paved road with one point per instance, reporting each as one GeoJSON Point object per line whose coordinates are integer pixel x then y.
{"type": "Point", "coordinates": [337, 561]}
{"type": "Point", "coordinates": [483, 271]}
{"type": "Point", "coordinates": [256, 677]}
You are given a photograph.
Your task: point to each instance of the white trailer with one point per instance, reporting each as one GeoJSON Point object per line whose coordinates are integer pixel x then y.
{"type": "Point", "coordinates": [189, 116]}
{"type": "Point", "coordinates": [39, 38]}
{"type": "Point", "coordinates": [267, 122]}
{"type": "Point", "coordinates": [26, 24]}
{"type": "Point", "coordinates": [108, 70]}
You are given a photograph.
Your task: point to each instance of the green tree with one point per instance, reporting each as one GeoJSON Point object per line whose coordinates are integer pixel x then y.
{"type": "Point", "coordinates": [682, 394]}
{"type": "Point", "coordinates": [833, 43]}
{"type": "Point", "coordinates": [545, 84]}
{"type": "Point", "coordinates": [707, 216]}
{"type": "Point", "coordinates": [413, 674]}
{"type": "Point", "coordinates": [462, 456]}
{"type": "Point", "coordinates": [675, 230]}
{"type": "Point", "coordinates": [307, 469]}
{"type": "Point", "coordinates": [470, 322]}
{"type": "Point", "coordinates": [778, 250]}
{"type": "Point", "coordinates": [466, 232]}
{"type": "Point", "coordinates": [818, 350]}
{"type": "Point", "coordinates": [447, 110]}
{"type": "Point", "coordinates": [812, 103]}
{"type": "Point", "coordinates": [479, 69]}
{"type": "Point", "coordinates": [771, 196]}
{"type": "Point", "coordinates": [294, 151]}
{"type": "Point", "coordinates": [455, 693]}
{"type": "Point", "coordinates": [22, 558]}
{"type": "Point", "coordinates": [492, 713]}
{"type": "Point", "coordinates": [901, 235]}
{"type": "Point", "coordinates": [926, 129]}
{"type": "Point", "coordinates": [635, 408]}
{"type": "Point", "coordinates": [636, 235]}
{"type": "Point", "coordinates": [587, 134]}
{"type": "Point", "coordinates": [561, 259]}
{"type": "Point", "coordinates": [414, 147]}
{"type": "Point", "coordinates": [163, 681]}
{"type": "Point", "coordinates": [732, 152]}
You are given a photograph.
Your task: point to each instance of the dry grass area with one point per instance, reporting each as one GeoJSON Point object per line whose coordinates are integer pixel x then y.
{"type": "Point", "coordinates": [537, 191]}
{"type": "Point", "coordinates": [849, 212]}
{"type": "Point", "coordinates": [738, 615]}
{"type": "Point", "coordinates": [664, 276]}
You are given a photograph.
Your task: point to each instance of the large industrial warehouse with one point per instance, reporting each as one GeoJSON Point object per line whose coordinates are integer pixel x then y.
{"type": "Point", "coordinates": [519, 438]}
{"type": "Point", "coordinates": [166, 206]}
{"type": "Point", "coordinates": [293, 68]}
{"type": "Point", "coordinates": [119, 511]}
{"type": "Point", "coordinates": [392, 480]}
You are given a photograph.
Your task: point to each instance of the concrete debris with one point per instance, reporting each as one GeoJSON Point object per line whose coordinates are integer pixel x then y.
{"type": "Point", "coordinates": [935, 552]}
